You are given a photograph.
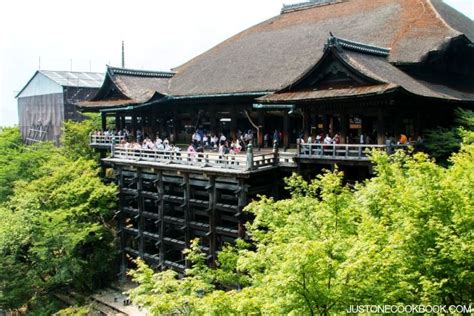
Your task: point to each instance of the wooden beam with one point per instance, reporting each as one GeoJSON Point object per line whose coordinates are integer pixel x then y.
{"type": "Point", "coordinates": [380, 127]}
{"type": "Point", "coordinates": [344, 127]}
{"type": "Point", "coordinates": [241, 203]}
{"type": "Point", "coordinates": [187, 213]}
{"type": "Point", "coordinates": [306, 125]}
{"type": "Point", "coordinates": [141, 207]}
{"type": "Point", "coordinates": [121, 226]}
{"type": "Point", "coordinates": [286, 129]}
{"type": "Point", "coordinates": [161, 216]}
{"type": "Point", "coordinates": [212, 220]}
{"type": "Point", "coordinates": [103, 119]}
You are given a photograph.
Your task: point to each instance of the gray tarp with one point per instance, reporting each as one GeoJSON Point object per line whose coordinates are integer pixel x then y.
{"type": "Point", "coordinates": [42, 110]}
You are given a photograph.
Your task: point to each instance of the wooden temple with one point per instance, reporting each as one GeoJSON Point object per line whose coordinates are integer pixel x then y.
{"type": "Point", "coordinates": [376, 68]}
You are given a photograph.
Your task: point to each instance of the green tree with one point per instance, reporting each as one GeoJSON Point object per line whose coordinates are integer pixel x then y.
{"type": "Point", "coordinates": [56, 231]}
{"type": "Point", "coordinates": [402, 237]}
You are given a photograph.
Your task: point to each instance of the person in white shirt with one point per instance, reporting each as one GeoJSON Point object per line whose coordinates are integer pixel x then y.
{"type": "Point", "coordinates": [222, 138]}
{"type": "Point", "coordinates": [327, 139]}
{"type": "Point", "coordinates": [318, 139]}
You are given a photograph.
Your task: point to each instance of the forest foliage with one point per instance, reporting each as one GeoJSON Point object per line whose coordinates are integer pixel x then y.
{"type": "Point", "coordinates": [55, 212]}
{"type": "Point", "coordinates": [404, 236]}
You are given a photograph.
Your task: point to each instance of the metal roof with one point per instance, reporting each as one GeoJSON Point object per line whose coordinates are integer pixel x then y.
{"type": "Point", "coordinates": [75, 79]}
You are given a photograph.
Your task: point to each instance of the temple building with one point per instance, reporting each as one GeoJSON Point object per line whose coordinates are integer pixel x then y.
{"type": "Point", "coordinates": [364, 70]}
{"type": "Point", "coordinates": [49, 98]}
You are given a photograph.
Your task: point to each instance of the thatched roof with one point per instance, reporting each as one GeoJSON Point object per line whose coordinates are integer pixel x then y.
{"type": "Point", "coordinates": [272, 54]}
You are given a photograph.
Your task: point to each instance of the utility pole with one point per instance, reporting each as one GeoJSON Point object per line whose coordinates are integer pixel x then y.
{"type": "Point", "coordinates": [123, 54]}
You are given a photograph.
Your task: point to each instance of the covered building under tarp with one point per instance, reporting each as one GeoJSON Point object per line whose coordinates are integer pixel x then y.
{"type": "Point", "coordinates": [49, 98]}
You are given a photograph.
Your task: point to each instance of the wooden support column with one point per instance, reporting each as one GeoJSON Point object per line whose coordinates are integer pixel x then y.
{"type": "Point", "coordinates": [134, 125]}
{"type": "Point", "coordinates": [241, 202]}
{"type": "Point", "coordinates": [286, 129]}
{"type": "Point", "coordinates": [326, 124]}
{"type": "Point", "coordinates": [211, 187]}
{"type": "Point", "coordinates": [331, 126]}
{"type": "Point", "coordinates": [123, 121]}
{"type": "Point", "coordinates": [261, 125]}
{"type": "Point", "coordinates": [175, 129]}
{"type": "Point", "coordinates": [380, 127]}
{"type": "Point", "coordinates": [161, 217]}
{"type": "Point", "coordinates": [233, 123]}
{"type": "Point", "coordinates": [212, 119]}
{"type": "Point", "coordinates": [141, 207]}
{"type": "Point", "coordinates": [187, 214]}
{"type": "Point", "coordinates": [344, 127]}
{"type": "Point", "coordinates": [121, 226]}
{"type": "Point", "coordinates": [103, 118]}
{"type": "Point", "coordinates": [306, 123]}
{"type": "Point", "coordinates": [117, 121]}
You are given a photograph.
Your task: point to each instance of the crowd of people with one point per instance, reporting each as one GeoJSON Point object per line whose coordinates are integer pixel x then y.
{"type": "Point", "coordinates": [218, 142]}
{"type": "Point", "coordinates": [200, 141]}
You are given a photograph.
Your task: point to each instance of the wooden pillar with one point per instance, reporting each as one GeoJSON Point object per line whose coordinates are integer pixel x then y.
{"type": "Point", "coordinates": [175, 123]}
{"type": "Point", "coordinates": [117, 121]}
{"type": "Point", "coordinates": [123, 121]}
{"type": "Point", "coordinates": [286, 129]}
{"type": "Point", "coordinates": [103, 118]}
{"type": "Point", "coordinates": [331, 125]}
{"type": "Point", "coordinates": [306, 124]}
{"type": "Point", "coordinates": [380, 127]}
{"type": "Point", "coordinates": [241, 202]}
{"type": "Point", "coordinates": [344, 127]}
{"type": "Point", "coordinates": [233, 123]}
{"type": "Point", "coordinates": [326, 124]}
{"type": "Point", "coordinates": [212, 119]}
{"type": "Point", "coordinates": [211, 187]}
{"type": "Point", "coordinates": [121, 226]}
{"type": "Point", "coordinates": [261, 125]}
{"type": "Point", "coordinates": [140, 219]}
{"type": "Point", "coordinates": [187, 214]}
{"type": "Point", "coordinates": [134, 125]}
{"type": "Point", "coordinates": [161, 217]}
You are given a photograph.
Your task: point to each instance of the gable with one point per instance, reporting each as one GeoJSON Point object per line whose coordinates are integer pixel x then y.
{"type": "Point", "coordinates": [332, 72]}
{"type": "Point", "coordinates": [109, 91]}
{"type": "Point", "coordinates": [39, 84]}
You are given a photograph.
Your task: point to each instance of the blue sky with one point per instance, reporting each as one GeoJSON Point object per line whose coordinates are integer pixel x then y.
{"type": "Point", "coordinates": [87, 34]}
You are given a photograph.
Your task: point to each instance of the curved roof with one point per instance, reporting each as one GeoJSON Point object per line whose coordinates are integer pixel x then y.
{"type": "Point", "coordinates": [123, 86]}
{"type": "Point", "coordinates": [272, 54]}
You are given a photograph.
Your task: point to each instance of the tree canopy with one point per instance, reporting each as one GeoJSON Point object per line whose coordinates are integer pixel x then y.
{"type": "Point", "coordinates": [401, 237]}
{"type": "Point", "coordinates": [55, 210]}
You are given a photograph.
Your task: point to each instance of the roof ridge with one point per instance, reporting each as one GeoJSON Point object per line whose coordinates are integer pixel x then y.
{"type": "Point", "coordinates": [142, 73]}
{"type": "Point", "coordinates": [341, 43]}
{"type": "Point", "coordinates": [287, 8]}
{"type": "Point", "coordinates": [440, 17]}
{"type": "Point", "coordinates": [67, 71]}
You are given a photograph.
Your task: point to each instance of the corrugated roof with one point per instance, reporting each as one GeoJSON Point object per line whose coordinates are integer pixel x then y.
{"type": "Point", "coordinates": [75, 78]}
{"type": "Point", "coordinates": [272, 54]}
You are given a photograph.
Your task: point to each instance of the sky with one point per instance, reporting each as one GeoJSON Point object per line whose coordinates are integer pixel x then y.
{"type": "Point", "coordinates": [86, 35]}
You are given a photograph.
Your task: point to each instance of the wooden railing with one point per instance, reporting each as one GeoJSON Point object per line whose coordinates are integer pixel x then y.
{"type": "Point", "coordinates": [244, 162]}
{"type": "Point", "coordinates": [338, 151]}
{"type": "Point", "coordinates": [202, 160]}
{"type": "Point", "coordinates": [104, 139]}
